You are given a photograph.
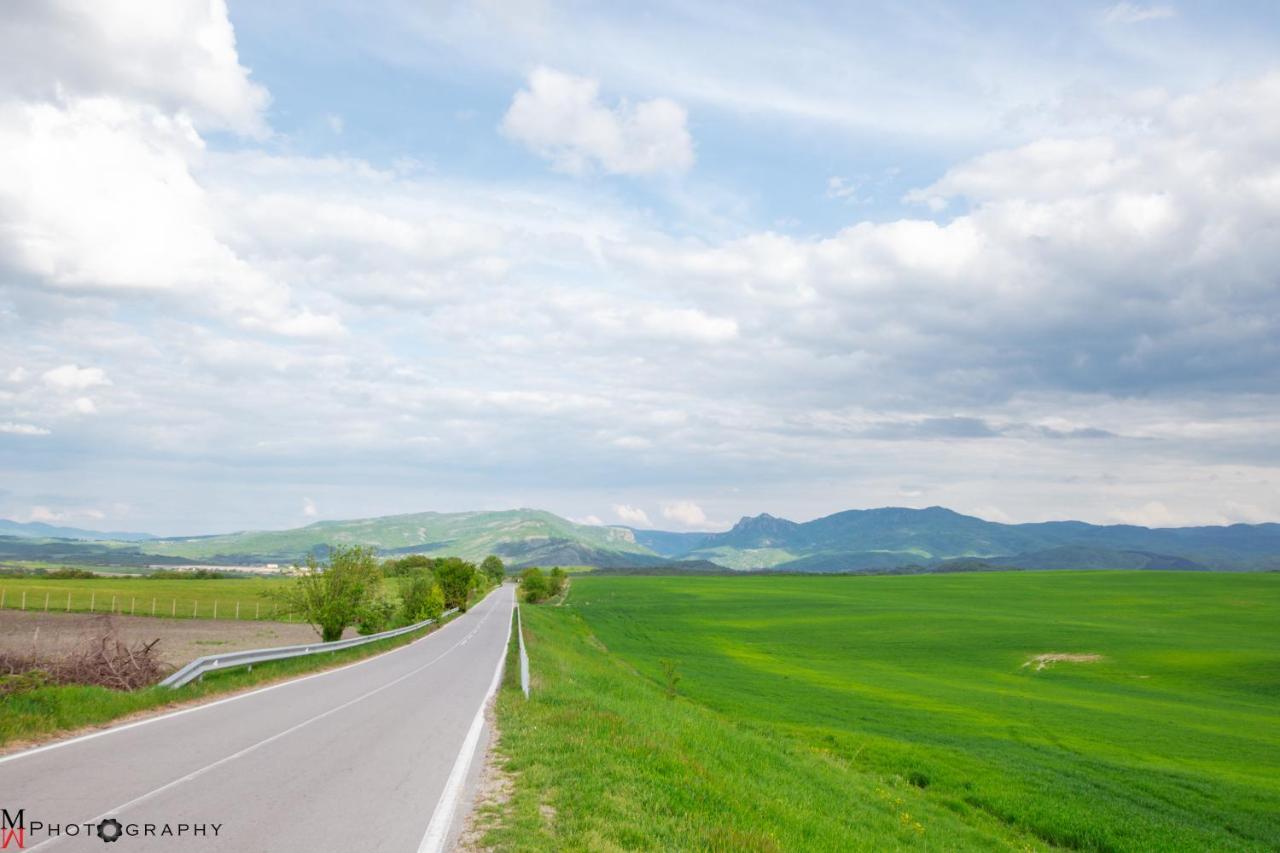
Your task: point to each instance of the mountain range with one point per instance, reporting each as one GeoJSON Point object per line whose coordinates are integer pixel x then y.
{"type": "Point", "coordinates": [885, 539]}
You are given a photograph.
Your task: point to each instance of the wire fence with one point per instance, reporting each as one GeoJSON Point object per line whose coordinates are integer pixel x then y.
{"type": "Point", "coordinates": [125, 604]}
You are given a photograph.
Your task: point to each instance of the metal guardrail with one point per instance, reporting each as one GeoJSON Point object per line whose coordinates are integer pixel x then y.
{"type": "Point", "coordinates": [229, 660]}
{"type": "Point", "coordinates": [524, 656]}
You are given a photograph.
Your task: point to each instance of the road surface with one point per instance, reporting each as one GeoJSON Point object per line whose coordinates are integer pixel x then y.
{"type": "Point", "coordinates": [368, 757]}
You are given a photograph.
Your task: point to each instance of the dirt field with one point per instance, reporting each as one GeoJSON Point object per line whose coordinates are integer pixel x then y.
{"type": "Point", "coordinates": [181, 640]}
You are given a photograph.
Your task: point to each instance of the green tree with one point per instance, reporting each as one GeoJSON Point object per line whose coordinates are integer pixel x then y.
{"type": "Point", "coordinates": [455, 577]}
{"type": "Point", "coordinates": [407, 565]}
{"type": "Point", "coordinates": [494, 569]}
{"type": "Point", "coordinates": [376, 615]}
{"type": "Point", "coordinates": [533, 583]}
{"type": "Point", "coordinates": [556, 581]}
{"type": "Point", "coordinates": [420, 597]}
{"type": "Point", "coordinates": [333, 597]}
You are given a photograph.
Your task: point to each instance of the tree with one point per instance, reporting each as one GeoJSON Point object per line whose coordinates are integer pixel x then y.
{"type": "Point", "coordinates": [494, 569]}
{"type": "Point", "coordinates": [556, 581]}
{"type": "Point", "coordinates": [420, 597]}
{"type": "Point", "coordinates": [334, 597]}
{"type": "Point", "coordinates": [534, 584]}
{"type": "Point", "coordinates": [455, 577]}
{"type": "Point", "coordinates": [406, 565]}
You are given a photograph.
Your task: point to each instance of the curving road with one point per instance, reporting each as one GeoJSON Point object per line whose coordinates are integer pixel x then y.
{"type": "Point", "coordinates": [367, 757]}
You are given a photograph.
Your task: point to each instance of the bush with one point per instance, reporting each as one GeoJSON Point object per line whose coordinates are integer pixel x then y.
{"type": "Point", "coordinates": [420, 597]}
{"type": "Point", "coordinates": [407, 565]}
{"type": "Point", "coordinates": [376, 615]}
{"type": "Point", "coordinates": [533, 583]}
{"type": "Point", "coordinates": [456, 578]}
{"type": "Point", "coordinates": [556, 582]}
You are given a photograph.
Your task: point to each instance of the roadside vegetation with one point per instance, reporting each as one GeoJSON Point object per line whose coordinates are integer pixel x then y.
{"type": "Point", "coordinates": [537, 586]}
{"type": "Point", "coordinates": [103, 679]}
{"type": "Point", "coordinates": [1086, 710]}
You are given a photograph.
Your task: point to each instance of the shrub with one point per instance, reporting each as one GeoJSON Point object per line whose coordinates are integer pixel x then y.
{"type": "Point", "coordinates": [420, 597]}
{"type": "Point", "coordinates": [376, 615]}
{"type": "Point", "coordinates": [455, 577]}
{"type": "Point", "coordinates": [533, 584]}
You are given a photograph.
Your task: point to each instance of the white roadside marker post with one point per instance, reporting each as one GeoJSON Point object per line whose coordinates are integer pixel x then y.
{"type": "Point", "coordinates": [46, 602]}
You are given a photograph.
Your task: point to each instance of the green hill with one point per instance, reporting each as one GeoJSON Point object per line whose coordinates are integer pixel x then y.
{"type": "Point", "coordinates": [521, 537]}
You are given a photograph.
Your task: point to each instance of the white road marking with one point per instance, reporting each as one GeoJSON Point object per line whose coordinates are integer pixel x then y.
{"type": "Point", "coordinates": [437, 833]}
{"type": "Point", "coordinates": [197, 773]}
{"type": "Point", "coordinates": [206, 705]}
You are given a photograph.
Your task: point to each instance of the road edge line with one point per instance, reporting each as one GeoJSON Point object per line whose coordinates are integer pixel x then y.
{"type": "Point", "coordinates": [58, 744]}
{"type": "Point", "coordinates": [433, 840]}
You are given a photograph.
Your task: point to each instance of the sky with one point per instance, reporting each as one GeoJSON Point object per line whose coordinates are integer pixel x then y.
{"type": "Point", "coordinates": [263, 264]}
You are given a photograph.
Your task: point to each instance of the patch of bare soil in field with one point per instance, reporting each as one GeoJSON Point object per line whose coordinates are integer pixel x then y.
{"type": "Point", "coordinates": [181, 640]}
{"type": "Point", "coordinates": [1041, 661]}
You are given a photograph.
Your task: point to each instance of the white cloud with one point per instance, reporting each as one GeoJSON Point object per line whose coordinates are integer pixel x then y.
{"type": "Point", "coordinates": [309, 508]}
{"type": "Point", "coordinates": [22, 429]}
{"type": "Point", "coordinates": [17, 374]}
{"type": "Point", "coordinates": [686, 513]}
{"type": "Point", "coordinates": [72, 377]}
{"type": "Point", "coordinates": [1136, 13]}
{"type": "Point", "coordinates": [560, 117]}
{"type": "Point", "coordinates": [179, 54]}
{"type": "Point", "coordinates": [84, 406]}
{"type": "Point", "coordinates": [631, 515]}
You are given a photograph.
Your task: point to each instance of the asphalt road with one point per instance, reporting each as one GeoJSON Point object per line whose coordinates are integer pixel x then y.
{"type": "Point", "coordinates": [355, 759]}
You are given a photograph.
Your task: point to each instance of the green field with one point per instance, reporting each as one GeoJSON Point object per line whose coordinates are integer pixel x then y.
{"type": "Point", "coordinates": [183, 599]}
{"type": "Point", "coordinates": [874, 712]}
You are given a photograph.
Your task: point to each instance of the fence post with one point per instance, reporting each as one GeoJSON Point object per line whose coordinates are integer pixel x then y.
{"type": "Point", "coordinates": [113, 604]}
{"type": "Point", "coordinates": [215, 608]}
{"type": "Point", "coordinates": [153, 606]}
{"type": "Point", "coordinates": [133, 604]}
{"type": "Point", "coordinates": [24, 599]}
{"type": "Point", "coordinates": [257, 609]}
{"type": "Point", "coordinates": [237, 611]}
{"type": "Point", "coordinates": [68, 601]}
{"type": "Point", "coordinates": [46, 602]}
{"type": "Point", "coordinates": [93, 596]}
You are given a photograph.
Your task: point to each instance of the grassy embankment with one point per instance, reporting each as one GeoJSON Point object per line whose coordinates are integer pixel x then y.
{"type": "Point", "coordinates": [837, 713]}
{"type": "Point", "coordinates": [183, 599]}
{"type": "Point", "coordinates": [42, 712]}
